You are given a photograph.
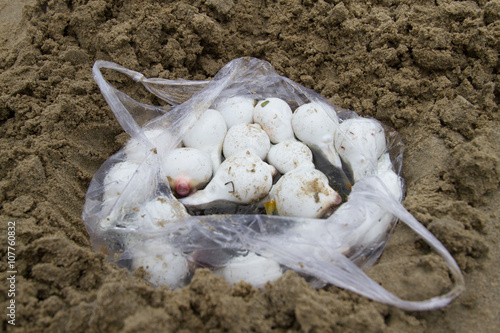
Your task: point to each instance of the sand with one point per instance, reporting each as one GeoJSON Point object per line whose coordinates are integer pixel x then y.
{"type": "Point", "coordinates": [429, 69]}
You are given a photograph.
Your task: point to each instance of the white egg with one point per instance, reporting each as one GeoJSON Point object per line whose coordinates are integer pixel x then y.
{"type": "Point", "coordinates": [246, 137]}
{"type": "Point", "coordinates": [186, 169]}
{"type": "Point", "coordinates": [360, 142]}
{"type": "Point", "coordinates": [207, 134]}
{"type": "Point", "coordinates": [127, 185]}
{"type": "Point", "coordinates": [158, 212]}
{"type": "Point", "coordinates": [137, 151]}
{"type": "Point", "coordinates": [252, 268]}
{"type": "Point", "coordinates": [375, 220]}
{"type": "Point", "coordinates": [390, 179]}
{"type": "Point", "coordinates": [304, 192]}
{"type": "Point", "coordinates": [379, 221]}
{"type": "Point", "coordinates": [164, 265]}
{"type": "Point", "coordinates": [242, 178]}
{"type": "Point", "coordinates": [275, 116]}
{"type": "Point", "coordinates": [305, 236]}
{"type": "Point", "coordinates": [236, 110]}
{"type": "Point", "coordinates": [288, 155]}
{"type": "Point", "coordinates": [316, 128]}
{"type": "Point", "coordinates": [315, 124]}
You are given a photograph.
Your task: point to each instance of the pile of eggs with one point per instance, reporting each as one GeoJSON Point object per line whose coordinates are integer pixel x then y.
{"type": "Point", "coordinates": [247, 152]}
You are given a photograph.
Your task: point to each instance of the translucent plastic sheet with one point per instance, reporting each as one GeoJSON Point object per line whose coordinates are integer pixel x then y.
{"type": "Point", "coordinates": [140, 219]}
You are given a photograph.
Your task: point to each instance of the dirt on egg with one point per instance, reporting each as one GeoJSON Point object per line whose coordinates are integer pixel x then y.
{"type": "Point", "coordinates": [428, 69]}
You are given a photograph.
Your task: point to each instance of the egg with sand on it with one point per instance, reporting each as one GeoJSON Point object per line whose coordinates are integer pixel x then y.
{"type": "Point", "coordinates": [249, 137]}
{"type": "Point", "coordinates": [304, 192]}
{"type": "Point", "coordinates": [242, 178]}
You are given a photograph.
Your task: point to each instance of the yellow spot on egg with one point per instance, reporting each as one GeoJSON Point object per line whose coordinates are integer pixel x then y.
{"type": "Point", "coordinates": [270, 207]}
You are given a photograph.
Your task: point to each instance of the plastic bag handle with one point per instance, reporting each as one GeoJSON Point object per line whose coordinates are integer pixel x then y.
{"type": "Point", "coordinates": [385, 200]}
{"type": "Point", "coordinates": [172, 91]}
{"type": "Point", "coordinates": [345, 274]}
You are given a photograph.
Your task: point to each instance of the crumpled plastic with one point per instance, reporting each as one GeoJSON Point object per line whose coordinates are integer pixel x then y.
{"type": "Point", "coordinates": [333, 251]}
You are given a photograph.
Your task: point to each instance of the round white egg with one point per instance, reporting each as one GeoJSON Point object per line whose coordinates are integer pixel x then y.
{"type": "Point", "coordinates": [246, 137]}
{"type": "Point", "coordinates": [288, 155]}
{"type": "Point", "coordinates": [374, 220]}
{"type": "Point", "coordinates": [316, 127]}
{"type": "Point", "coordinates": [131, 178]}
{"type": "Point", "coordinates": [163, 264]}
{"type": "Point", "coordinates": [207, 134]}
{"type": "Point", "coordinates": [275, 117]}
{"type": "Point", "coordinates": [312, 124]}
{"type": "Point", "coordinates": [252, 268]}
{"type": "Point", "coordinates": [304, 192]}
{"type": "Point", "coordinates": [192, 164]}
{"type": "Point", "coordinates": [390, 179]}
{"type": "Point", "coordinates": [360, 142]}
{"type": "Point", "coordinates": [158, 212]}
{"type": "Point", "coordinates": [236, 110]}
{"type": "Point", "coordinates": [137, 151]}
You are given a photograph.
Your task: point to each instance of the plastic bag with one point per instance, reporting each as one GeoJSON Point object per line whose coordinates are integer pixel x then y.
{"type": "Point", "coordinates": [136, 220]}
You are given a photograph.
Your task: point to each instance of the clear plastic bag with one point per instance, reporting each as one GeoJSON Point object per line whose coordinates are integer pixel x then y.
{"type": "Point", "coordinates": [135, 219]}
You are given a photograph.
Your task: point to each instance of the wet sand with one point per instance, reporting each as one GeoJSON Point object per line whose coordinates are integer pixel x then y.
{"type": "Point", "coordinates": [430, 70]}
